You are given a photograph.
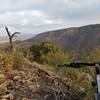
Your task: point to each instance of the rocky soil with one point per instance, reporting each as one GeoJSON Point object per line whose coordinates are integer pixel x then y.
{"type": "Point", "coordinates": [33, 83]}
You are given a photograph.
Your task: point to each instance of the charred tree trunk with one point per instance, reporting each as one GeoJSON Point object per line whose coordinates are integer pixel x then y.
{"type": "Point", "coordinates": [11, 36]}
{"type": "Point", "coordinates": [11, 44]}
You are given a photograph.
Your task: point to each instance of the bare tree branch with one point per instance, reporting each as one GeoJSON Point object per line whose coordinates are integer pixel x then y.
{"type": "Point", "coordinates": [11, 37]}
{"type": "Point", "coordinates": [14, 34]}
{"type": "Point", "coordinates": [7, 31]}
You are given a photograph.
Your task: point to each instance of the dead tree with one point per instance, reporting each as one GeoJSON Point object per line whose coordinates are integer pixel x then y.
{"type": "Point", "coordinates": [11, 36]}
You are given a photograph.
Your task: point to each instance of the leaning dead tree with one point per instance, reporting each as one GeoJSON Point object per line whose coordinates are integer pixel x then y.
{"type": "Point", "coordinates": [11, 36]}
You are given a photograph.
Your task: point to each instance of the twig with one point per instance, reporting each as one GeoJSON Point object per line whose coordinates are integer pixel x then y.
{"type": "Point", "coordinates": [10, 95]}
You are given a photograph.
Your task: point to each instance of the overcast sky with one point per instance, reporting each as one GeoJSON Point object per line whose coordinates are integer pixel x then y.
{"type": "Point", "coordinates": [35, 16]}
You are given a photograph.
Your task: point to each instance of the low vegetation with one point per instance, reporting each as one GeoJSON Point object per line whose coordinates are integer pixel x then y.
{"type": "Point", "coordinates": [48, 53]}
{"type": "Point", "coordinates": [34, 75]}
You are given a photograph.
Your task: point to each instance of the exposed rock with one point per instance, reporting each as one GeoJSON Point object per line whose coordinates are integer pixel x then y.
{"type": "Point", "coordinates": [16, 78]}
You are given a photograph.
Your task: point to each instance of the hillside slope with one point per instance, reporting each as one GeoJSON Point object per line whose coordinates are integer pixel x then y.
{"type": "Point", "coordinates": [75, 39]}
{"type": "Point", "coordinates": [39, 82]}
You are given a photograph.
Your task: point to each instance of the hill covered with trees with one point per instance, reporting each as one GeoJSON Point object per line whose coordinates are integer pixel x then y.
{"type": "Point", "coordinates": [74, 39]}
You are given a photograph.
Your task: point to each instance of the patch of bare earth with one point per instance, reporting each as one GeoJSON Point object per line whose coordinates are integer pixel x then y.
{"type": "Point", "coordinates": [35, 83]}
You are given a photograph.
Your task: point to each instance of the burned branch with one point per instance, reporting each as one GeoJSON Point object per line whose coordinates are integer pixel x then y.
{"type": "Point", "coordinates": [11, 36]}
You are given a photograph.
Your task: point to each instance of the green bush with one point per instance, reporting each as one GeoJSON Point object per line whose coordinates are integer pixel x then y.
{"type": "Point", "coordinates": [48, 53]}
{"type": "Point", "coordinates": [94, 55]}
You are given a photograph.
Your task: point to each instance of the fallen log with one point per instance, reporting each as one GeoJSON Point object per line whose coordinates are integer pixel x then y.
{"type": "Point", "coordinates": [40, 67]}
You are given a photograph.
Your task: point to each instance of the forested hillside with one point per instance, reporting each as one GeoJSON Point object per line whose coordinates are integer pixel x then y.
{"type": "Point", "coordinates": [74, 39]}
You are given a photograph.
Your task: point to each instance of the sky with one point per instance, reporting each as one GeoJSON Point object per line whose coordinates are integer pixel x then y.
{"type": "Point", "coordinates": [36, 16]}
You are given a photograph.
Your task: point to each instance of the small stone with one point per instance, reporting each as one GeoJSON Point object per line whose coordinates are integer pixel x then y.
{"type": "Point", "coordinates": [37, 85]}
{"type": "Point", "coordinates": [16, 78]}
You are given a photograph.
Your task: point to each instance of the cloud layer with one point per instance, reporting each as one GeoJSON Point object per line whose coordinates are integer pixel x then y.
{"type": "Point", "coordinates": [42, 15]}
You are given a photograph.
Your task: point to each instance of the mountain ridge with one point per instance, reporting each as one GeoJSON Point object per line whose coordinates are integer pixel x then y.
{"type": "Point", "coordinates": [74, 39]}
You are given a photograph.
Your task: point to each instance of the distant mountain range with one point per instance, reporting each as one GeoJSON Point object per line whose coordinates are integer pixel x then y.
{"type": "Point", "coordinates": [75, 39]}
{"type": "Point", "coordinates": [20, 37]}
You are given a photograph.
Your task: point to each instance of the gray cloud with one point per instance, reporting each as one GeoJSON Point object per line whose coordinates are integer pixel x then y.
{"type": "Point", "coordinates": [42, 15]}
